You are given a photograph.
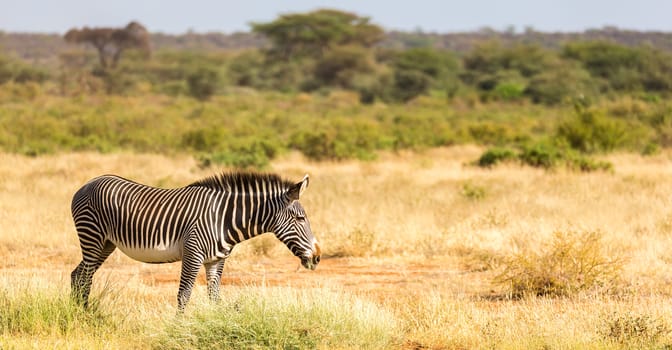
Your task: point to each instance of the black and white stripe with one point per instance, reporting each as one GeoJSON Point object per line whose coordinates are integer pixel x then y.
{"type": "Point", "coordinates": [198, 224]}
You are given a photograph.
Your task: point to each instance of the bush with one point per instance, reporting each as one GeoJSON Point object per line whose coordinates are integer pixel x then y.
{"type": "Point", "coordinates": [489, 133]}
{"type": "Point", "coordinates": [19, 72]}
{"type": "Point", "coordinates": [440, 66]}
{"type": "Point", "coordinates": [589, 131]}
{"type": "Point", "coordinates": [541, 155]}
{"type": "Point", "coordinates": [204, 140]}
{"type": "Point", "coordinates": [245, 69]}
{"type": "Point", "coordinates": [342, 140]}
{"type": "Point", "coordinates": [409, 84]}
{"type": "Point", "coordinates": [419, 132]}
{"type": "Point", "coordinates": [572, 262]}
{"type": "Point", "coordinates": [509, 91]}
{"type": "Point", "coordinates": [358, 242]}
{"type": "Point", "coordinates": [245, 154]}
{"type": "Point", "coordinates": [560, 83]}
{"type": "Point", "coordinates": [494, 156]}
{"type": "Point", "coordinates": [203, 83]}
{"type": "Point", "coordinates": [586, 164]}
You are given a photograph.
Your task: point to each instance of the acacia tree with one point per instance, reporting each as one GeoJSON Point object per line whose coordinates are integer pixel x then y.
{"type": "Point", "coordinates": [312, 34]}
{"type": "Point", "coordinates": [112, 42]}
{"type": "Point", "coordinates": [334, 45]}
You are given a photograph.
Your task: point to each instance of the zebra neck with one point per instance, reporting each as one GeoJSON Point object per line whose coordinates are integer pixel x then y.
{"type": "Point", "coordinates": [247, 216]}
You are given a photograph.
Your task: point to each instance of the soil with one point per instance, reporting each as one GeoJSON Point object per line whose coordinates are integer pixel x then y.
{"type": "Point", "coordinates": [379, 278]}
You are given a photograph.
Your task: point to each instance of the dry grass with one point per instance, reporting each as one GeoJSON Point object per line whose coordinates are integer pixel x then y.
{"type": "Point", "coordinates": [403, 210]}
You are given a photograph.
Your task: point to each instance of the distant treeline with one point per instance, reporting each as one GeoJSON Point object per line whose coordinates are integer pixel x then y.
{"type": "Point", "coordinates": [45, 48]}
{"type": "Point", "coordinates": [333, 85]}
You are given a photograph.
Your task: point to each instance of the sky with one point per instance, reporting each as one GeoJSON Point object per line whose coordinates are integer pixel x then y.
{"type": "Point", "coordinates": [176, 17]}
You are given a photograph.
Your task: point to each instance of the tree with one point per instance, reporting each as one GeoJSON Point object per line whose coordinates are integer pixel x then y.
{"type": "Point", "coordinates": [441, 67]}
{"type": "Point", "coordinates": [312, 34]}
{"type": "Point", "coordinates": [624, 68]}
{"type": "Point", "coordinates": [112, 42]}
{"type": "Point", "coordinates": [340, 66]}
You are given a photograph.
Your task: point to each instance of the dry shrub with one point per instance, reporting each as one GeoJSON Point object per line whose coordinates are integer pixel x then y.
{"type": "Point", "coordinates": [570, 263]}
{"type": "Point", "coordinates": [359, 242]}
{"type": "Point", "coordinates": [632, 328]}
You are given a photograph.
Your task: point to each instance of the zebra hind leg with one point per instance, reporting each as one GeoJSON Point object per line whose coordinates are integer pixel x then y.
{"type": "Point", "coordinates": [213, 273]}
{"type": "Point", "coordinates": [81, 277]}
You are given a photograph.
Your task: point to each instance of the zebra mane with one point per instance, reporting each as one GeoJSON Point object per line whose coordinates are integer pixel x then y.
{"type": "Point", "coordinates": [241, 181]}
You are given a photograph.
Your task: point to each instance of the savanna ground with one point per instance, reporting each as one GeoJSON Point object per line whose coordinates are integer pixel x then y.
{"type": "Point", "coordinates": [421, 250]}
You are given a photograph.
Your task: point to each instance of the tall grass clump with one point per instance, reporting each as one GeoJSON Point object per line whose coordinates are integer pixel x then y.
{"type": "Point", "coordinates": [571, 262]}
{"type": "Point", "coordinates": [24, 311]}
{"type": "Point", "coordinates": [635, 330]}
{"type": "Point", "coordinates": [282, 318]}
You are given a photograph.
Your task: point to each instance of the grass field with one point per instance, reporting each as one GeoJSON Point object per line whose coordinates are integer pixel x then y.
{"type": "Point", "coordinates": [421, 250]}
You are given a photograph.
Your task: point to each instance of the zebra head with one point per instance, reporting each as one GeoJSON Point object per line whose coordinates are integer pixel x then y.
{"type": "Point", "coordinates": [293, 229]}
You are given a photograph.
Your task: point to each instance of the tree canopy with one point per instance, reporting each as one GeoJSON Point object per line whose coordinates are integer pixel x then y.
{"type": "Point", "coordinates": [311, 34]}
{"type": "Point", "coordinates": [111, 42]}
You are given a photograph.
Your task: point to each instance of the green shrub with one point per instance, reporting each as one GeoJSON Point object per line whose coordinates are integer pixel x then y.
{"type": "Point", "coordinates": [439, 66]}
{"type": "Point", "coordinates": [419, 132]}
{"type": "Point", "coordinates": [571, 262]}
{"type": "Point", "coordinates": [494, 156]}
{"type": "Point", "coordinates": [562, 82]}
{"type": "Point", "coordinates": [19, 72]}
{"type": "Point", "coordinates": [118, 82]}
{"type": "Point", "coordinates": [509, 91]}
{"type": "Point", "coordinates": [491, 133]}
{"type": "Point", "coordinates": [246, 153]}
{"type": "Point", "coordinates": [342, 140]}
{"type": "Point", "coordinates": [651, 149]}
{"type": "Point", "coordinates": [204, 140]}
{"type": "Point", "coordinates": [203, 83]}
{"type": "Point", "coordinates": [585, 163]}
{"type": "Point", "coordinates": [589, 131]}
{"type": "Point", "coordinates": [409, 84]}
{"type": "Point", "coordinates": [541, 155]}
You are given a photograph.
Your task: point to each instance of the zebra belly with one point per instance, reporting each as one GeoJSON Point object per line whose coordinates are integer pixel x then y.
{"type": "Point", "coordinates": [158, 254]}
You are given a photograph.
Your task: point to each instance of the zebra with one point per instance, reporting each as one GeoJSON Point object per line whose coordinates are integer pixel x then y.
{"type": "Point", "coordinates": [198, 224]}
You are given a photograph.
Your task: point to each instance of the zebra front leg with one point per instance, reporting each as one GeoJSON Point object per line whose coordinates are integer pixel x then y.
{"type": "Point", "coordinates": [191, 263]}
{"type": "Point", "coordinates": [213, 273]}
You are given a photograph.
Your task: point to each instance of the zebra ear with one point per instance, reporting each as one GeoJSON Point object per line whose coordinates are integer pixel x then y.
{"type": "Point", "coordinates": [295, 191]}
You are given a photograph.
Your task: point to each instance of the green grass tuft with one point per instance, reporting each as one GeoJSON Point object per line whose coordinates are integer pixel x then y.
{"type": "Point", "coordinates": [46, 312]}
{"type": "Point", "coordinates": [260, 318]}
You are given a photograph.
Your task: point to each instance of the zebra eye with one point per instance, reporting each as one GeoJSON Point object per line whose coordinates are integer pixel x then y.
{"type": "Point", "coordinates": [301, 218]}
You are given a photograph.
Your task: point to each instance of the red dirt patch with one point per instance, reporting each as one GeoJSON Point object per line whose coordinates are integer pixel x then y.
{"type": "Point", "coordinates": [361, 276]}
